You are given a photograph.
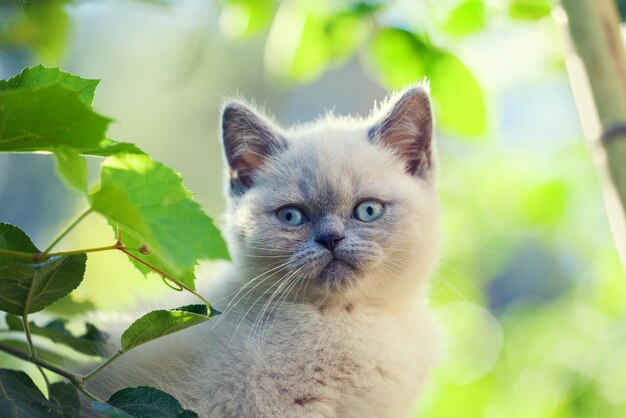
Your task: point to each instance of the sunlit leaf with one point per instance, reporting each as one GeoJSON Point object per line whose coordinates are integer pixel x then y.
{"type": "Point", "coordinates": [20, 398]}
{"type": "Point", "coordinates": [143, 402]}
{"type": "Point", "coordinates": [529, 9]}
{"type": "Point", "coordinates": [466, 18]}
{"type": "Point", "coordinates": [72, 167]}
{"type": "Point", "coordinates": [241, 18]}
{"type": "Point", "coordinates": [40, 283]}
{"type": "Point", "coordinates": [458, 98]}
{"type": "Point", "coordinates": [45, 118]}
{"type": "Point", "coordinates": [91, 343]}
{"type": "Point", "coordinates": [547, 203]}
{"type": "Point", "coordinates": [162, 322]}
{"type": "Point", "coordinates": [67, 306]}
{"type": "Point", "coordinates": [150, 203]}
{"type": "Point", "coordinates": [399, 57]}
{"type": "Point", "coordinates": [40, 76]}
{"type": "Point", "coordinates": [312, 54]}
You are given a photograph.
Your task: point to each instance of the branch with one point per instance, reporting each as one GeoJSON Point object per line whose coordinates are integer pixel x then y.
{"type": "Point", "coordinates": [78, 380]}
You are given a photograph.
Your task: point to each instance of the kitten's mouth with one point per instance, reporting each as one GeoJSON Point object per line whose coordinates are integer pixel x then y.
{"type": "Point", "coordinates": [337, 269]}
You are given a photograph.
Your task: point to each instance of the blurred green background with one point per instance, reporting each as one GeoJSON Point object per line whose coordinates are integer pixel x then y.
{"type": "Point", "coordinates": [530, 287]}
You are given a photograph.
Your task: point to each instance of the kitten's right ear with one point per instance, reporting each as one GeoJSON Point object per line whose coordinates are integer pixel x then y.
{"type": "Point", "coordinates": [248, 141]}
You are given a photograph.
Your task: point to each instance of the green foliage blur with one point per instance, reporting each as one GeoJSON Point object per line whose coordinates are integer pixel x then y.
{"type": "Point", "coordinates": [530, 288]}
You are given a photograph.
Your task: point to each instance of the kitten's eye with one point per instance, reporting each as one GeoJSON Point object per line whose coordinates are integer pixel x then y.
{"type": "Point", "coordinates": [368, 210]}
{"type": "Point", "coordinates": [291, 216]}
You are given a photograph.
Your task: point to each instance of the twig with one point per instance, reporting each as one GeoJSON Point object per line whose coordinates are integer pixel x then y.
{"type": "Point", "coordinates": [67, 230]}
{"type": "Point", "coordinates": [76, 379]}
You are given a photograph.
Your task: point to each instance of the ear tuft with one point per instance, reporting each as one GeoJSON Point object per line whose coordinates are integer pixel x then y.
{"type": "Point", "coordinates": [249, 139]}
{"type": "Point", "coordinates": [407, 127]}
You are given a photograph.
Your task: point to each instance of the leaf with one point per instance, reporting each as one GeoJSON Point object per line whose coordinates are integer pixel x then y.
{"type": "Point", "coordinates": [243, 18]}
{"type": "Point", "coordinates": [49, 280]}
{"type": "Point", "coordinates": [529, 9]}
{"type": "Point", "coordinates": [399, 57]}
{"type": "Point", "coordinates": [110, 411]}
{"type": "Point", "coordinates": [143, 402]}
{"type": "Point", "coordinates": [162, 322]}
{"type": "Point", "coordinates": [40, 76]}
{"type": "Point", "coordinates": [153, 207]}
{"type": "Point", "coordinates": [65, 397]}
{"type": "Point", "coordinates": [458, 97]}
{"type": "Point", "coordinates": [466, 18]}
{"type": "Point", "coordinates": [91, 343]}
{"type": "Point", "coordinates": [72, 167]}
{"type": "Point", "coordinates": [67, 306]}
{"type": "Point", "coordinates": [46, 118]}
{"type": "Point", "coordinates": [109, 147]}
{"type": "Point", "coordinates": [20, 398]}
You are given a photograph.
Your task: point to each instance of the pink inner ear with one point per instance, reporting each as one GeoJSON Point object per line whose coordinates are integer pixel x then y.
{"type": "Point", "coordinates": [248, 141]}
{"type": "Point", "coordinates": [407, 130]}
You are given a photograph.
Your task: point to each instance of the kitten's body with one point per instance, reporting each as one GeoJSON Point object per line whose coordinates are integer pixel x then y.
{"type": "Point", "coordinates": [310, 329]}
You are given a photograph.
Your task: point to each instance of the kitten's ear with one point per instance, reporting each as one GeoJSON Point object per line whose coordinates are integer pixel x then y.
{"type": "Point", "coordinates": [248, 140]}
{"type": "Point", "coordinates": [407, 128]}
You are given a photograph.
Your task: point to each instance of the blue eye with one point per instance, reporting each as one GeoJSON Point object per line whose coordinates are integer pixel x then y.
{"type": "Point", "coordinates": [368, 210]}
{"type": "Point", "coordinates": [291, 216]}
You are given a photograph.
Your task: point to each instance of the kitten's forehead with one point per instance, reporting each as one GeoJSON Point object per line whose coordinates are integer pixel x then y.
{"type": "Point", "coordinates": [328, 169]}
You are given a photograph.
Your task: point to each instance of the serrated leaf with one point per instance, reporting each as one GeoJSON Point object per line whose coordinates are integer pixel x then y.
{"type": "Point", "coordinates": [162, 322]}
{"type": "Point", "coordinates": [150, 203]}
{"type": "Point", "coordinates": [466, 18]}
{"type": "Point", "coordinates": [40, 76]}
{"type": "Point", "coordinates": [65, 397]}
{"type": "Point", "coordinates": [20, 398]}
{"type": "Point", "coordinates": [458, 97]}
{"type": "Point", "coordinates": [143, 402]}
{"type": "Point", "coordinates": [92, 342]}
{"type": "Point", "coordinates": [529, 9]}
{"type": "Point", "coordinates": [72, 167]}
{"type": "Point", "coordinates": [14, 239]}
{"type": "Point", "coordinates": [49, 280]}
{"type": "Point", "coordinates": [46, 118]}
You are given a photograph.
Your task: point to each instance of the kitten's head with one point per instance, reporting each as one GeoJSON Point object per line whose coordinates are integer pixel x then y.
{"type": "Point", "coordinates": [339, 209]}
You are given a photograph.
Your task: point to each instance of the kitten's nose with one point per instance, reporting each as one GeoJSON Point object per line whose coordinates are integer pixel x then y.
{"type": "Point", "coordinates": [329, 240]}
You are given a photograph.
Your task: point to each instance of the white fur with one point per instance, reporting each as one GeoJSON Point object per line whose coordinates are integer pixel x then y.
{"type": "Point", "coordinates": [307, 350]}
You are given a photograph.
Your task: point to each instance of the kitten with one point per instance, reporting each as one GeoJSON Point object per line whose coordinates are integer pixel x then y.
{"type": "Point", "coordinates": [333, 232]}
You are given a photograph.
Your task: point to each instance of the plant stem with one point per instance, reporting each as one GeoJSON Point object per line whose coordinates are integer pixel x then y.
{"type": "Point", "coordinates": [37, 257]}
{"type": "Point", "coordinates": [167, 276]}
{"type": "Point", "coordinates": [29, 337]}
{"type": "Point", "coordinates": [39, 362]}
{"type": "Point", "coordinates": [67, 230]}
{"type": "Point", "coordinates": [87, 393]}
{"type": "Point", "coordinates": [103, 365]}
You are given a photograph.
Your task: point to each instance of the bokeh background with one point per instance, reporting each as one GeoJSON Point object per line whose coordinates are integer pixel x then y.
{"type": "Point", "coordinates": [530, 287]}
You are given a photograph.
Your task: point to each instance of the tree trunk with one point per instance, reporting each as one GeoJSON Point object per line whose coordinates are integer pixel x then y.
{"type": "Point", "coordinates": [599, 86]}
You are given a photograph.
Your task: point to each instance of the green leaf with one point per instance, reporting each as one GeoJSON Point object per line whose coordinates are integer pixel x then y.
{"type": "Point", "coordinates": [72, 167]}
{"type": "Point", "coordinates": [242, 18]}
{"type": "Point", "coordinates": [529, 9]}
{"type": "Point", "coordinates": [14, 239]}
{"type": "Point", "coordinates": [109, 147]}
{"type": "Point", "coordinates": [20, 398]}
{"type": "Point", "coordinates": [65, 396]}
{"type": "Point", "coordinates": [150, 203]}
{"type": "Point", "coordinates": [457, 96]}
{"type": "Point", "coordinates": [143, 402]}
{"type": "Point", "coordinates": [466, 18]}
{"type": "Point", "coordinates": [42, 283]}
{"type": "Point", "coordinates": [92, 342]}
{"type": "Point", "coordinates": [67, 306]}
{"type": "Point", "coordinates": [110, 411]}
{"type": "Point", "coordinates": [40, 76]}
{"type": "Point", "coordinates": [162, 322]}
{"type": "Point", "coordinates": [46, 118]}
{"type": "Point", "coordinates": [399, 57]}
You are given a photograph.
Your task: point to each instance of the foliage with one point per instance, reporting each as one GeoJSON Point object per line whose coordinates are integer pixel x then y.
{"type": "Point", "coordinates": [155, 216]}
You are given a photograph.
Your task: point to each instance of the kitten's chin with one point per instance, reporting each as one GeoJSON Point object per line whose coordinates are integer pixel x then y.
{"type": "Point", "coordinates": [338, 275]}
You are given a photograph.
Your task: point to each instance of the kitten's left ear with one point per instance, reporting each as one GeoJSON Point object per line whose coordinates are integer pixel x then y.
{"type": "Point", "coordinates": [407, 129]}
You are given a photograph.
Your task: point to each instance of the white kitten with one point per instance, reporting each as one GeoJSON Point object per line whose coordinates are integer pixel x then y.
{"type": "Point", "coordinates": [333, 233]}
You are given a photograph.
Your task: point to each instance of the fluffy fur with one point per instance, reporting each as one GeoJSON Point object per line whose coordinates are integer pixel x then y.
{"type": "Point", "coordinates": [309, 332]}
